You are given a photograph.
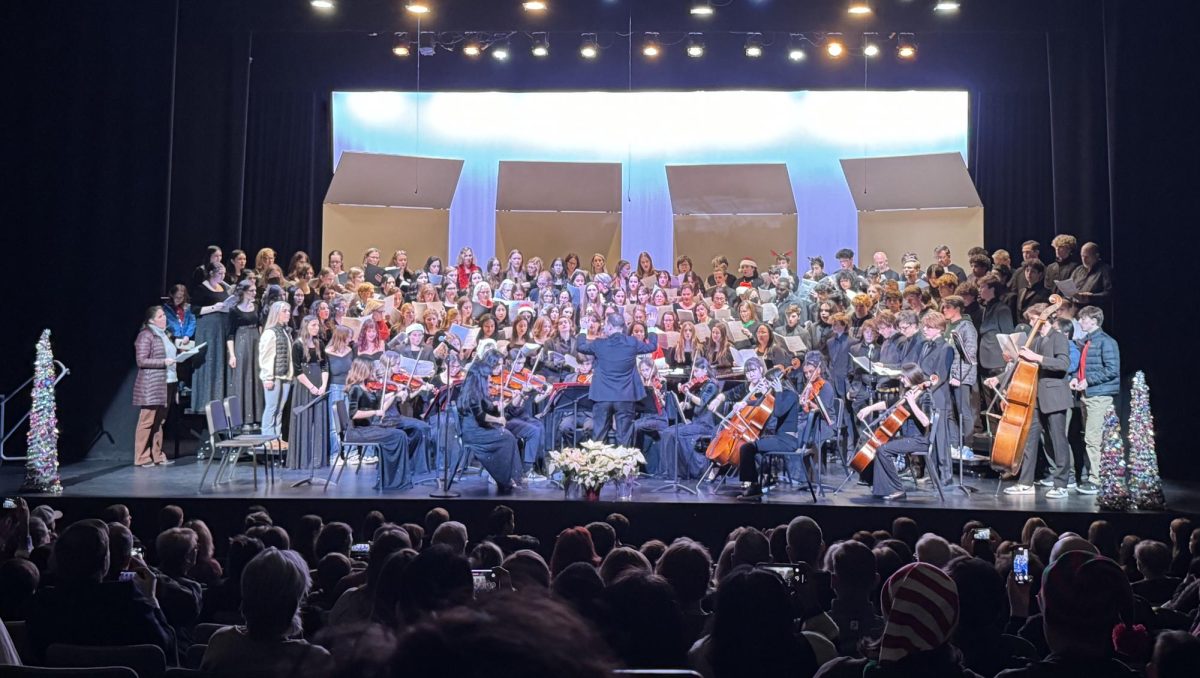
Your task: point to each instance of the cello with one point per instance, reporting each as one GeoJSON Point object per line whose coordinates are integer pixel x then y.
{"type": "Point", "coordinates": [744, 424]}
{"type": "Point", "coordinates": [1008, 444]}
{"type": "Point", "coordinates": [889, 425]}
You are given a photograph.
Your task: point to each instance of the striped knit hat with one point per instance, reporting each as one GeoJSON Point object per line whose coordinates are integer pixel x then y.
{"type": "Point", "coordinates": [920, 604]}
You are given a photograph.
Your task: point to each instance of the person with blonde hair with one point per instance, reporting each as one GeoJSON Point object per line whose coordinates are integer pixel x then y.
{"type": "Point", "coordinates": [275, 368]}
{"type": "Point", "coordinates": [1066, 260]}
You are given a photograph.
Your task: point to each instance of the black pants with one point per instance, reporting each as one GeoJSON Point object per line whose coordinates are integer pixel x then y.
{"type": "Point", "coordinates": [1056, 424]}
{"type": "Point", "coordinates": [748, 465]}
{"type": "Point", "coordinates": [621, 412]}
{"type": "Point", "coordinates": [887, 479]}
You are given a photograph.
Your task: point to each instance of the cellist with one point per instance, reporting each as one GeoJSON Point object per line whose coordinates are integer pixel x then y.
{"type": "Point", "coordinates": [912, 437]}
{"type": "Point", "coordinates": [787, 432]}
{"type": "Point", "coordinates": [1050, 352]}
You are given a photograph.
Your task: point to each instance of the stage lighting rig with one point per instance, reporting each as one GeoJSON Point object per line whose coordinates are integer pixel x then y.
{"type": "Point", "coordinates": [695, 46]}
{"type": "Point", "coordinates": [590, 48]}
{"type": "Point", "coordinates": [701, 8]}
{"type": "Point", "coordinates": [323, 5]}
{"type": "Point", "coordinates": [834, 46]}
{"type": "Point", "coordinates": [500, 51]}
{"type": "Point", "coordinates": [535, 6]}
{"type": "Point", "coordinates": [947, 6]}
{"type": "Point", "coordinates": [859, 8]}
{"type": "Point", "coordinates": [417, 7]}
{"type": "Point", "coordinates": [906, 47]}
{"type": "Point", "coordinates": [754, 45]}
{"type": "Point", "coordinates": [650, 45]}
{"type": "Point", "coordinates": [870, 47]}
{"type": "Point", "coordinates": [427, 43]}
{"type": "Point", "coordinates": [541, 45]}
{"type": "Point", "coordinates": [403, 47]}
{"type": "Point", "coordinates": [472, 47]}
{"type": "Point", "coordinates": [796, 48]}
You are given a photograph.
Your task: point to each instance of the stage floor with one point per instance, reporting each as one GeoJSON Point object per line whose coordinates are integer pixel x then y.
{"type": "Point", "coordinates": [543, 510]}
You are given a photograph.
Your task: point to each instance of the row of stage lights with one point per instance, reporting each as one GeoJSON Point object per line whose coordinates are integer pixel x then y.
{"type": "Point", "coordinates": [833, 45]}
{"type": "Point", "coordinates": [698, 8]}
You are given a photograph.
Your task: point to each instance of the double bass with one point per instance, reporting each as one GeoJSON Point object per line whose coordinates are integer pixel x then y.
{"type": "Point", "coordinates": [1020, 401]}
{"type": "Point", "coordinates": [889, 425]}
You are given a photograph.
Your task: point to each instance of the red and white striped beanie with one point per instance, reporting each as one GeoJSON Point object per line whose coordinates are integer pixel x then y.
{"type": "Point", "coordinates": [920, 604]}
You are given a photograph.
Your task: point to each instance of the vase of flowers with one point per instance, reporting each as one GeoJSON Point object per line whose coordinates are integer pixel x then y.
{"type": "Point", "coordinates": [593, 464]}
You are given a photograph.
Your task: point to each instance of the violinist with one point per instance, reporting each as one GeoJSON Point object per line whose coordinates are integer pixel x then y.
{"type": "Point", "coordinates": [482, 424]}
{"type": "Point", "coordinates": [913, 436]}
{"type": "Point", "coordinates": [577, 424]}
{"type": "Point", "coordinates": [651, 410]}
{"type": "Point", "coordinates": [678, 442]}
{"type": "Point", "coordinates": [418, 432]}
{"type": "Point", "coordinates": [367, 408]}
{"type": "Point", "coordinates": [518, 409]}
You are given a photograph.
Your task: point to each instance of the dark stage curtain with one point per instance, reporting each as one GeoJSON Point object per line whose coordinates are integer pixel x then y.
{"type": "Point", "coordinates": [288, 167]}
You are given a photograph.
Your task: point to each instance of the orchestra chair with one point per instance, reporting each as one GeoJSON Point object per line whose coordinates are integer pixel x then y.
{"type": "Point", "coordinates": [466, 455]}
{"type": "Point", "coordinates": [808, 454]}
{"type": "Point", "coordinates": [50, 672]}
{"type": "Point", "coordinates": [341, 424]}
{"type": "Point", "coordinates": [930, 469]}
{"type": "Point", "coordinates": [147, 661]}
{"type": "Point", "coordinates": [243, 431]}
{"type": "Point", "coordinates": [228, 448]}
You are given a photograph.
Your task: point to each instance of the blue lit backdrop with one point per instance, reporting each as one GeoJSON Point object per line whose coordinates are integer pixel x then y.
{"type": "Point", "coordinates": [645, 131]}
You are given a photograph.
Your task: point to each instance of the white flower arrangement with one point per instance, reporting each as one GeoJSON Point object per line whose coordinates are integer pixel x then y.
{"type": "Point", "coordinates": [596, 463]}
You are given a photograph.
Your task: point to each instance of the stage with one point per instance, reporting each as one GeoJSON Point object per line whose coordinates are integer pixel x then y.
{"type": "Point", "coordinates": [542, 509]}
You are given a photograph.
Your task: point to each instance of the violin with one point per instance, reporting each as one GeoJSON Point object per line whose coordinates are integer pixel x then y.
{"type": "Point", "coordinates": [810, 398]}
{"type": "Point", "coordinates": [692, 383]}
{"type": "Point", "coordinates": [409, 381]}
{"type": "Point", "coordinates": [378, 386]}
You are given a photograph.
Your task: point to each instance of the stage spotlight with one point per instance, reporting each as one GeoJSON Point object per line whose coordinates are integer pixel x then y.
{"type": "Point", "coordinates": [701, 8]}
{"type": "Point", "coordinates": [402, 48]}
{"type": "Point", "coordinates": [534, 6]}
{"type": "Point", "coordinates": [871, 50]}
{"type": "Point", "coordinates": [859, 8]}
{"type": "Point", "coordinates": [472, 48]}
{"type": "Point", "coordinates": [754, 47]}
{"type": "Point", "coordinates": [834, 46]}
{"type": "Point", "coordinates": [796, 49]}
{"type": "Point", "coordinates": [417, 7]}
{"type": "Point", "coordinates": [590, 49]}
{"type": "Point", "coordinates": [499, 51]}
{"type": "Point", "coordinates": [947, 6]}
{"type": "Point", "coordinates": [906, 48]}
{"type": "Point", "coordinates": [541, 45]}
{"type": "Point", "coordinates": [695, 47]}
{"type": "Point", "coordinates": [323, 5]}
{"type": "Point", "coordinates": [650, 46]}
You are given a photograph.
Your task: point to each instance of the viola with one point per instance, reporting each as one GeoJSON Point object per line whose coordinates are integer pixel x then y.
{"type": "Point", "coordinates": [888, 427]}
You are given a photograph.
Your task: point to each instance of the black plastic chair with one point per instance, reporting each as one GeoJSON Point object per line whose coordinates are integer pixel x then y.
{"type": "Point", "coordinates": [341, 423]}
{"type": "Point", "coordinates": [147, 661]}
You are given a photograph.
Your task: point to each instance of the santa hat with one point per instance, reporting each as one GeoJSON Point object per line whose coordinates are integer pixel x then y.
{"type": "Point", "coordinates": [748, 262]}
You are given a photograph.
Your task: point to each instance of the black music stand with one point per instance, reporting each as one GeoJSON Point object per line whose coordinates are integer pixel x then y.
{"type": "Point", "coordinates": [443, 490]}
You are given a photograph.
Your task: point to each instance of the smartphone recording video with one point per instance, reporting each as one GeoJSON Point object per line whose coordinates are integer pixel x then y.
{"type": "Point", "coordinates": [1021, 566]}
{"type": "Point", "coordinates": [485, 580]}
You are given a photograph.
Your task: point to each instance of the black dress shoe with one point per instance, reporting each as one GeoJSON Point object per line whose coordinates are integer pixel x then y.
{"type": "Point", "coordinates": [896, 496]}
{"type": "Point", "coordinates": [752, 493]}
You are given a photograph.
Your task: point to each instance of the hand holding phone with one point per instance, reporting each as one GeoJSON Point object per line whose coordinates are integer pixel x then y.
{"type": "Point", "coordinates": [484, 580]}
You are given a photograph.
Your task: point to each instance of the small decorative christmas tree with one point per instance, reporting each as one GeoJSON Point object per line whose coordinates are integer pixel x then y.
{"type": "Point", "coordinates": [1114, 490]}
{"type": "Point", "coordinates": [41, 463]}
{"type": "Point", "coordinates": [1145, 485]}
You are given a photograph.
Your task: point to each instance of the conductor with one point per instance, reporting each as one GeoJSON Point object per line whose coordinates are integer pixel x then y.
{"type": "Point", "coordinates": [616, 385]}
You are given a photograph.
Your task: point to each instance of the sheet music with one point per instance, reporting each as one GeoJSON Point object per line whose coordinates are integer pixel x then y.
{"type": "Point", "coordinates": [1068, 288]}
{"type": "Point", "coordinates": [467, 337]}
{"type": "Point", "coordinates": [703, 333]}
{"type": "Point", "coordinates": [417, 368]}
{"type": "Point", "coordinates": [795, 345]}
{"type": "Point", "coordinates": [722, 314]}
{"type": "Point", "coordinates": [667, 339]}
{"type": "Point", "coordinates": [355, 324]}
{"type": "Point", "coordinates": [435, 280]}
{"type": "Point", "coordinates": [190, 353]}
{"type": "Point", "coordinates": [737, 332]}
{"type": "Point", "coordinates": [740, 356]}
{"type": "Point", "coordinates": [1011, 343]}
{"type": "Point", "coordinates": [685, 316]}
{"type": "Point", "coordinates": [769, 314]}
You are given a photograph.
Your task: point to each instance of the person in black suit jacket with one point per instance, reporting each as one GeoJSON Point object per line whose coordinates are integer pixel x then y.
{"type": "Point", "coordinates": [779, 433]}
{"type": "Point", "coordinates": [936, 358]}
{"type": "Point", "coordinates": [913, 436]}
{"type": "Point", "coordinates": [616, 385]}
{"type": "Point", "coordinates": [1034, 290]}
{"type": "Point", "coordinates": [1054, 400]}
{"type": "Point", "coordinates": [82, 609]}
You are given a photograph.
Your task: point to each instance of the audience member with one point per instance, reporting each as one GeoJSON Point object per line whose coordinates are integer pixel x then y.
{"type": "Point", "coordinates": [354, 605]}
{"type": "Point", "coordinates": [579, 585]}
{"type": "Point", "coordinates": [207, 570]}
{"type": "Point", "coordinates": [1154, 563]}
{"type": "Point", "coordinates": [604, 537]}
{"type": "Point", "coordinates": [933, 550]}
{"type": "Point", "coordinates": [330, 570]}
{"type": "Point", "coordinates": [653, 550]}
{"type": "Point", "coordinates": [854, 578]}
{"type": "Point", "coordinates": [433, 518]}
{"type": "Point", "coordinates": [805, 542]}
{"type": "Point", "coordinates": [437, 579]}
{"type": "Point", "coordinates": [643, 623]}
{"type": "Point", "coordinates": [181, 598]}
{"type": "Point", "coordinates": [905, 529]}
{"type": "Point", "coordinates": [620, 561]}
{"type": "Point", "coordinates": [485, 556]}
{"type": "Point", "coordinates": [305, 539]}
{"type": "Point", "coordinates": [453, 534]}
{"type": "Point", "coordinates": [527, 571]}
{"type": "Point", "coordinates": [573, 545]}
{"type": "Point", "coordinates": [273, 584]}
{"type": "Point", "coordinates": [620, 525]}
{"type": "Point", "coordinates": [222, 603]}
{"type": "Point", "coordinates": [19, 580]}
{"type": "Point", "coordinates": [334, 538]}
{"type": "Point", "coordinates": [1176, 655]}
{"type": "Point", "coordinates": [986, 649]}
{"type": "Point", "coordinates": [385, 608]}
{"type": "Point", "coordinates": [501, 530]}
{"type": "Point", "coordinates": [169, 517]}
{"type": "Point", "coordinates": [1181, 552]}
{"type": "Point", "coordinates": [82, 609]}
{"type": "Point", "coordinates": [687, 567]}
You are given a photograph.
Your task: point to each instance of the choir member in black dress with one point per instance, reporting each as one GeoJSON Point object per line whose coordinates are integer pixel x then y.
{"type": "Point", "coordinates": [212, 328]}
{"type": "Point", "coordinates": [367, 408]}
{"type": "Point", "coordinates": [912, 438]}
{"type": "Point", "coordinates": [482, 425]}
{"type": "Point", "coordinates": [241, 345]}
{"type": "Point", "coordinates": [308, 430]}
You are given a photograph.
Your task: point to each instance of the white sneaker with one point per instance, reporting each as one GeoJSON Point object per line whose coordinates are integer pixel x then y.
{"type": "Point", "coordinates": [1058, 493]}
{"type": "Point", "coordinates": [1019, 489]}
{"type": "Point", "coordinates": [968, 454]}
